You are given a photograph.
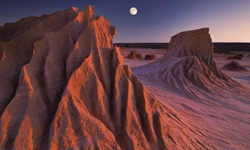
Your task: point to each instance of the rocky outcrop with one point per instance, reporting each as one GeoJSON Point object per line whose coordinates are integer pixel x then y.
{"type": "Point", "coordinates": [189, 67]}
{"type": "Point", "coordinates": [64, 86]}
{"type": "Point", "coordinates": [134, 55]}
{"type": "Point", "coordinates": [234, 66]}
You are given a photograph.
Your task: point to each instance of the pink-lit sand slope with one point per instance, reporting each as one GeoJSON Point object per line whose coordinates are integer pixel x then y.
{"type": "Point", "coordinates": [210, 104]}
{"type": "Point", "coordinates": [64, 86]}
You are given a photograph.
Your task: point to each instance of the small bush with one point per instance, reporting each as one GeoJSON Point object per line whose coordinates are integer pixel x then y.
{"type": "Point", "coordinates": [234, 57]}
{"type": "Point", "coordinates": [127, 45]}
{"type": "Point", "coordinates": [239, 55]}
{"type": "Point", "coordinates": [150, 57]}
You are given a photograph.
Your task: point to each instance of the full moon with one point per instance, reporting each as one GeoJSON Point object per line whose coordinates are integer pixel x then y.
{"type": "Point", "coordinates": [133, 11]}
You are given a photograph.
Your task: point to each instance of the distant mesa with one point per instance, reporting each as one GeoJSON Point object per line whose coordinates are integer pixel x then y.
{"type": "Point", "coordinates": [189, 67]}
{"type": "Point", "coordinates": [64, 86]}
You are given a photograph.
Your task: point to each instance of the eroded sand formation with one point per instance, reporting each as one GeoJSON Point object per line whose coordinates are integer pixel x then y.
{"type": "Point", "coordinates": [189, 67]}
{"type": "Point", "coordinates": [63, 85]}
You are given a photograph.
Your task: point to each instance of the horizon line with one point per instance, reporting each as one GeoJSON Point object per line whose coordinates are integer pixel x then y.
{"type": "Point", "coordinates": [167, 42]}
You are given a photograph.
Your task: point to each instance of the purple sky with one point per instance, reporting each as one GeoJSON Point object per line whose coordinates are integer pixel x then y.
{"type": "Point", "coordinates": [156, 21]}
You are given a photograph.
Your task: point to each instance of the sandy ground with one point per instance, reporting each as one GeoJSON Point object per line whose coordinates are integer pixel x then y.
{"type": "Point", "coordinates": [222, 122]}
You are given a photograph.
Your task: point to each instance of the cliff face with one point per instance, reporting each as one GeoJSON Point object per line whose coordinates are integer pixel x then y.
{"type": "Point", "coordinates": [196, 44]}
{"type": "Point", "coordinates": [63, 85]}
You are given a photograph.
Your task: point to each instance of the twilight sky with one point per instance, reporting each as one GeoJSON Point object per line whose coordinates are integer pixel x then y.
{"type": "Point", "coordinates": [156, 20]}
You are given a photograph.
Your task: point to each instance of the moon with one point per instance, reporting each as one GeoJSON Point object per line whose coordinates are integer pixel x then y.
{"type": "Point", "coordinates": [133, 11]}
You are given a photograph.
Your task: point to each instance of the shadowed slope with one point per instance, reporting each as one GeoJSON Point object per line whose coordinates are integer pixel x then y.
{"type": "Point", "coordinates": [19, 50]}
